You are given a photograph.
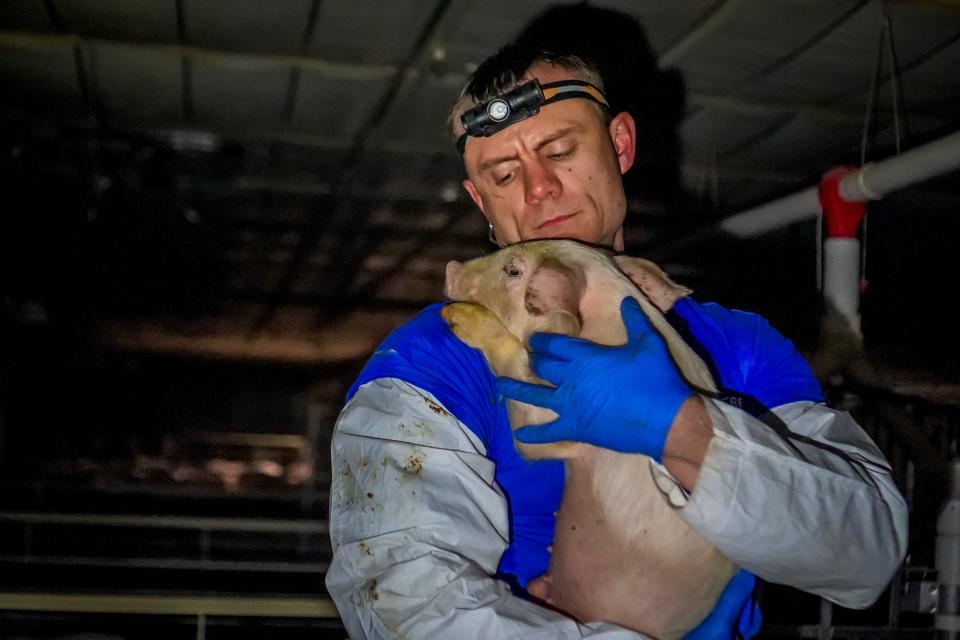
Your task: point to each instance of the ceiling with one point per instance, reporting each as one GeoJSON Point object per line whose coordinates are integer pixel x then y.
{"type": "Point", "coordinates": [270, 181]}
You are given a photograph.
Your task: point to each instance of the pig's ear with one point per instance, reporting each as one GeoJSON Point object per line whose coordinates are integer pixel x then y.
{"type": "Point", "coordinates": [552, 298]}
{"type": "Point", "coordinates": [451, 282]}
{"type": "Point", "coordinates": [652, 281]}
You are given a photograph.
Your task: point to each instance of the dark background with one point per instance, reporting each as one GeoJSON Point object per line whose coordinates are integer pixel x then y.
{"type": "Point", "coordinates": [213, 210]}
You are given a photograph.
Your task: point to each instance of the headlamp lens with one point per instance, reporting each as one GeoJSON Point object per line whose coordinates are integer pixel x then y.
{"type": "Point", "coordinates": [513, 106]}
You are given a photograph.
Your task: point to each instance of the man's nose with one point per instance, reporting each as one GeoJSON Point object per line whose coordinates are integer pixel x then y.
{"type": "Point", "coordinates": [541, 183]}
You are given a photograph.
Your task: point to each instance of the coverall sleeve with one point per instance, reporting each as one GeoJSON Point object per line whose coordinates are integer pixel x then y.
{"type": "Point", "coordinates": [418, 526]}
{"type": "Point", "coordinates": [799, 513]}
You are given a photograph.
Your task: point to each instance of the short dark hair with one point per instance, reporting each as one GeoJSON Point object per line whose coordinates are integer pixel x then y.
{"type": "Point", "coordinates": [615, 44]}
{"type": "Point", "coordinates": [505, 70]}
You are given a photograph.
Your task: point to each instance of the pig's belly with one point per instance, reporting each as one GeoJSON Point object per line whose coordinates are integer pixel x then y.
{"type": "Point", "coordinates": [622, 554]}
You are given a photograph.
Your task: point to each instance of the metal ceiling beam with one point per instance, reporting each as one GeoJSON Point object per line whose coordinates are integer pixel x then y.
{"type": "Point", "coordinates": [785, 118]}
{"type": "Point", "coordinates": [834, 113]}
{"type": "Point", "coordinates": [301, 184]}
{"type": "Point", "coordinates": [803, 47]}
{"type": "Point", "coordinates": [236, 60]}
{"type": "Point", "coordinates": [714, 18]}
{"type": "Point", "coordinates": [944, 4]}
{"type": "Point", "coordinates": [293, 84]}
{"type": "Point", "coordinates": [903, 69]}
{"type": "Point", "coordinates": [366, 71]}
{"type": "Point", "coordinates": [164, 130]}
{"type": "Point", "coordinates": [344, 221]}
{"type": "Point", "coordinates": [186, 65]}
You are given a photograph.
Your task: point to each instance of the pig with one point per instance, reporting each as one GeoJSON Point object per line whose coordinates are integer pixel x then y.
{"type": "Point", "coordinates": [621, 553]}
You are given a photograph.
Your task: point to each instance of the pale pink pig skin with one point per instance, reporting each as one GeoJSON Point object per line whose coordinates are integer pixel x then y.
{"type": "Point", "coordinates": [620, 552]}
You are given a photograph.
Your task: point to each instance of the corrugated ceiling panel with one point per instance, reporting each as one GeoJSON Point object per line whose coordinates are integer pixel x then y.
{"type": "Point", "coordinates": [420, 113]}
{"type": "Point", "coordinates": [739, 193]}
{"type": "Point", "coordinates": [841, 63]}
{"type": "Point", "coordinates": [806, 144]}
{"type": "Point", "coordinates": [141, 20]}
{"type": "Point", "coordinates": [702, 181]}
{"type": "Point", "coordinates": [481, 31]}
{"type": "Point", "coordinates": [417, 177]}
{"type": "Point", "coordinates": [927, 42]}
{"type": "Point", "coordinates": [665, 21]}
{"type": "Point", "coordinates": [758, 36]}
{"type": "Point", "coordinates": [276, 26]}
{"type": "Point", "coordinates": [929, 87]}
{"type": "Point", "coordinates": [369, 30]}
{"type": "Point", "coordinates": [920, 28]}
{"type": "Point", "coordinates": [242, 97]}
{"type": "Point", "coordinates": [40, 81]}
{"type": "Point", "coordinates": [335, 106]}
{"type": "Point", "coordinates": [247, 25]}
{"type": "Point", "coordinates": [135, 85]}
{"type": "Point", "coordinates": [711, 133]}
{"type": "Point", "coordinates": [24, 15]}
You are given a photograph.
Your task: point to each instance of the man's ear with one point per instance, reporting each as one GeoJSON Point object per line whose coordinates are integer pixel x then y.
{"type": "Point", "coordinates": [623, 133]}
{"type": "Point", "coordinates": [474, 194]}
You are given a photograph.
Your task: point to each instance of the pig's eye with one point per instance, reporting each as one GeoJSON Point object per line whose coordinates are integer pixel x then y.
{"type": "Point", "coordinates": [512, 271]}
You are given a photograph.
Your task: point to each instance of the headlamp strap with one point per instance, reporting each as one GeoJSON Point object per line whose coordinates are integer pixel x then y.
{"type": "Point", "coordinates": [520, 103]}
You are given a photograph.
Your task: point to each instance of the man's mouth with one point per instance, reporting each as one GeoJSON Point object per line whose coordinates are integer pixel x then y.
{"type": "Point", "coordinates": [556, 220]}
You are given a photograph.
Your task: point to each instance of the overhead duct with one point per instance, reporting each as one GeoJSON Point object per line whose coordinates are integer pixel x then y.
{"type": "Point", "coordinates": [871, 182]}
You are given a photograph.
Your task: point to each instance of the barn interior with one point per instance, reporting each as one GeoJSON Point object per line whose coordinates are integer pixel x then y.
{"type": "Point", "coordinates": [214, 210]}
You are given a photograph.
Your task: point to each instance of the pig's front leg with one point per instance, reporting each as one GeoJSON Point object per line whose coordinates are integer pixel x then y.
{"type": "Point", "coordinates": [478, 327]}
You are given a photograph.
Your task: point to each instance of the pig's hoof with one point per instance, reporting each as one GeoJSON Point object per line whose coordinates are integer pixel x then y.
{"type": "Point", "coordinates": [474, 324]}
{"type": "Point", "coordinates": [478, 327]}
{"type": "Point", "coordinates": [541, 588]}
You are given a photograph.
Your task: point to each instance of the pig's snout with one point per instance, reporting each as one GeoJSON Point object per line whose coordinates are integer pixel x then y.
{"type": "Point", "coordinates": [451, 283]}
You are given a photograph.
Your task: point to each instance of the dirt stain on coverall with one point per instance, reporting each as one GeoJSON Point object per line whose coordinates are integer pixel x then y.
{"type": "Point", "coordinates": [414, 463]}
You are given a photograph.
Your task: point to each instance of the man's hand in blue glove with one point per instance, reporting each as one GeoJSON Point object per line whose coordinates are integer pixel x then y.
{"type": "Point", "coordinates": [735, 612]}
{"type": "Point", "coordinates": [622, 398]}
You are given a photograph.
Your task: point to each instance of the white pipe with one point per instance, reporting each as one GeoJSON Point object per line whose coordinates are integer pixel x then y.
{"type": "Point", "coordinates": [841, 278]}
{"type": "Point", "coordinates": [876, 180]}
{"type": "Point", "coordinates": [773, 215]}
{"type": "Point", "coordinates": [871, 182]}
{"type": "Point", "coordinates": [947, 558]}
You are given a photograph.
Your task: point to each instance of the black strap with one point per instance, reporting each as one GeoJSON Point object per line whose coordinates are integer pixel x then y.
{"type": "Point", "coordinates": [756, 408]}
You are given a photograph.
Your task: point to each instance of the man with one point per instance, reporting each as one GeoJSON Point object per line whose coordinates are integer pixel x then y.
{"type": "Point", "coordinates": [433, 512]}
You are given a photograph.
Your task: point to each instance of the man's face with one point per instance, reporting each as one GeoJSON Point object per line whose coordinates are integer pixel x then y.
{"type": "Point", "coordinates": [554, 175]}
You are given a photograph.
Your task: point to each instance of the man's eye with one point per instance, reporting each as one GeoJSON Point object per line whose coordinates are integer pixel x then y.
{"type": "Point", "coordinates": [561, 154]}
{"type": "Point", "coordinates": [504, 179]}
{"type": "Point", "coordinates": [511, 271]}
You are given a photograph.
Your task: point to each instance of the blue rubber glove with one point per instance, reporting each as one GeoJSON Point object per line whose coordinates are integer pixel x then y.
{"type": "Point", "coordinates": [734, 612]}
{"type": "Point", "coordinates": [621, 398]}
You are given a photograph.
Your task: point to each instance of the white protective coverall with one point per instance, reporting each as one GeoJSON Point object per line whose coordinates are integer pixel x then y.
{"type": "Point", "coordinates": [419, 524]}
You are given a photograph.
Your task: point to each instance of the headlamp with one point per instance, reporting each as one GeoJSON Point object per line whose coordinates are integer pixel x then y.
{"type": "Point", "coordinates": [519, 104]}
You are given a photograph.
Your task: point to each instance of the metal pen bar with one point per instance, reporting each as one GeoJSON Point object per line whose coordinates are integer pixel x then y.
{"type": "Point", "coordinates": [171, 605]}
{"type": "Point", "coordinates": [172, 564]}
{"type": "Point", "coordinates": [252, 525]}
